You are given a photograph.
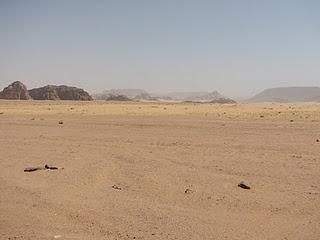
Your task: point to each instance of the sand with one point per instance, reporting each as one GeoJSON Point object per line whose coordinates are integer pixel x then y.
{"type": "Point", "coordinates": [159, 171]}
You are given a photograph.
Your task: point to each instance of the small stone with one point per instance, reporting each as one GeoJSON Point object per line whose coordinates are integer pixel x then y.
{"type": "Point", "coordinates": [318, 140]}
{"type": "Point", "coordinates": [60, 122]}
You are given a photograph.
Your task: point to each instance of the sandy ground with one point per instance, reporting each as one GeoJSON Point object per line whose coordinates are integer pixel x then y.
{"type": "Point", "coordinates": [159, 171]}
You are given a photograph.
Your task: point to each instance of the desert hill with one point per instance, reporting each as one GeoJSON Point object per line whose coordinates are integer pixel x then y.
{"type": "Point", "coordinates": [145, 96]}
{"type": "Point", "coordinates": [288, 94]}
{"type": "Point", "coordinates": [112, 97]}
{"type": "Point", "coordinates": [52, 92]}
{"type": "Point", "coordinates": [15, 91]}
{"type": "Point", "coordinates": [223, 100]}
{"type": "Point", "coordinates": [195, 96]}
{"type": "Point", "coordinates": [129, 93]}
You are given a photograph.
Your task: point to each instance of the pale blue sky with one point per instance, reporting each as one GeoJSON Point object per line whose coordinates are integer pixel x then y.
{"type": "Point", "coordinates": [237, 47]}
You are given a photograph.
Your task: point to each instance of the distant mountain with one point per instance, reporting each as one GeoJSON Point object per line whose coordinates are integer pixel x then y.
{"type": "Point", "coordinates": [288, 95]}
{"type": "Point", "coordinates": [130, 93]}
{"type": "Point", "coordinates": [145, 96]}
{"type": "Point", "coordinates": [15, 91]}
{"type": "Point", "coordinates": [140, 95]}
{"type": "Point", "coordinates": [52, 92]}
{"type": "Point", "coordinates": [223, 101]}
{"type": "Point", "coordinates": [118, 98]}
{"type": "Point", "coordinates": [195, 96]}
{"type": "Point", "coordinates": [212, 97]}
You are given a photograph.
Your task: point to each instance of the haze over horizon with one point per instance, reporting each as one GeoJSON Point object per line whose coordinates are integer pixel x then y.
{"type": "Point", "coordinates": [235, 47]}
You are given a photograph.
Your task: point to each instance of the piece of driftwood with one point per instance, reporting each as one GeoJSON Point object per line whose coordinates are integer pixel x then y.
{"type": "Point", "coordinates": [244, 186]}
{"type": "Point", "coordinates": [188, 191]}
{"type": "Point", "coordinates": [46, 167]}
{"type": "Point", "coordinates": [116, 187]}
{"type": "Point", "coordinates": [49, 167]}
{"type": "Point", "coordinates": [32, 169]}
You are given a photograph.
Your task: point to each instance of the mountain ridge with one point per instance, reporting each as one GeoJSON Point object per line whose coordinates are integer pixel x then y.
{"type": "Point", "coordinates": [287, 95]}
{"type": "Point", "coordinates": [140, 94]}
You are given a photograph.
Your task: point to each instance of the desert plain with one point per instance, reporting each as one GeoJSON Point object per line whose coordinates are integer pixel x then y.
{"type": "Point", "coordinates": [151, 170]}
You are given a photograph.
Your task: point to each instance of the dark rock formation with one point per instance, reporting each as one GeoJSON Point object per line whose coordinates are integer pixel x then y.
{"type": "Point", "coordinates": [52, 92]}
{"type": "Point", "coordinates": [15, 91]}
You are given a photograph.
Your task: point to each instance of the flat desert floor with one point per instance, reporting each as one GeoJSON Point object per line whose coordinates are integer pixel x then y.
{"type": "Point", "coordinates": [159, 171]}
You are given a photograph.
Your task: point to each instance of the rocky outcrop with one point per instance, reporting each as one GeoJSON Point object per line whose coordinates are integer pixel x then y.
{"type": "Point", "coordinates": [18, 91]}
{"type": "Point", "coordinates": [52, 92]}
{"type": "Point", "coordinates": [15, 91]}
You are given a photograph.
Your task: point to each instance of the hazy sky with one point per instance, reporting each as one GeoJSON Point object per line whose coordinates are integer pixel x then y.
{"type": "Point", "coordinates": [236, 47]}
